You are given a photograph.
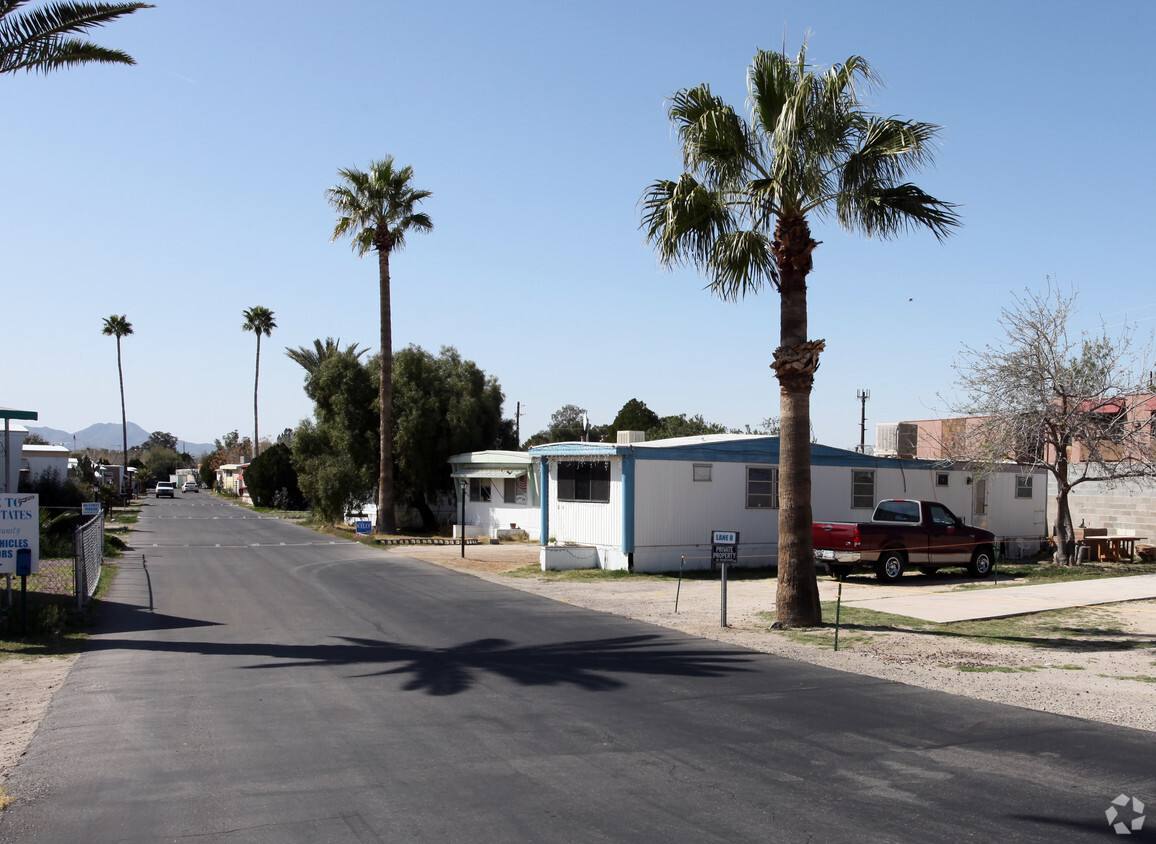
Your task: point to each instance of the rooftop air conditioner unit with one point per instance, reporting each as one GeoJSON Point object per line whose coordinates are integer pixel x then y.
{"type": "Point", "coordinates": [896, 439]}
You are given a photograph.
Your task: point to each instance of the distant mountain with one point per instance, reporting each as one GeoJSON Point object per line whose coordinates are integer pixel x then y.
{"type": "Point", "coordinates": [107, 435]}
{"type": "Point", "coordinates": [54, 436]}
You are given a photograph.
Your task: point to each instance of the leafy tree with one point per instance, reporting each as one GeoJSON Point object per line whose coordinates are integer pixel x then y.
{"type": "Point", "coordinates": [569, 423]}
{"type": "Point", "coordinates": [260, 321]}
{"type": "Point", "coordinates": [1076, 405]}
{"type": "Point", "coordinates": [336, 455]}
{"type": "Point", "coordinates": [443, 405]}
{"type": "Point", "coordinates": [159, 464]}
{"type": "Point", "coordinates": [233, 448]}
{"type": "Point", "coordinates": [272, 480]}
{"type": "Point", "coordinates": [310, 359]}
{"type": "Point", "coordinates": [634, 416]}
{"type": "Point", "coordinates": [160, 439]}
{"type": "Point", "coordinates": [683, 426]}
{"type": "Point", "coordinates": [118, 327]}
{"type": "Point", "coordinates": [810, 149]}
{"type": "Point", "coordinates": [377, 209]}
{"type": "Point", "coordinates": [33, 438]}
{"type": "Point", "coordinates": [207, 471]}
{"type": "Point", "coordinates": [42, 39]}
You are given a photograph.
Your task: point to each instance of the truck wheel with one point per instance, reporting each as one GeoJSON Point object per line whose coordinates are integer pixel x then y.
{"type": "Point", "coordinates": [981, 564]}
{"type": "Point", "coordinates": [890, 566]}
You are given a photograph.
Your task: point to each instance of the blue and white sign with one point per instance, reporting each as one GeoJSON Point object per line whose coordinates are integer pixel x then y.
{"type": "Point", "coordinates": [724, 547]}
{"type": "Point", "coordinates": [90, 508]}
{"type": "Point", "coordinates": [363, 526]}
{"type": "Point", "coordinates": [19, 531]}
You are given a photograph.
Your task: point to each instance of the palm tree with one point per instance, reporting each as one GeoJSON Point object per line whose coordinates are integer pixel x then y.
{"type": "Point", "coordinates": [740, 215]}
{"type": "Point", "coordinates": [259, 320]}
{"type": "Point", "coordinates": [377, 209]}
{"type": "Point", "coordinates": [119, 326]}
{"type": "Point", "coordinates": [42, 40]}
{"type": "Point", "coordinates": [311, 359]}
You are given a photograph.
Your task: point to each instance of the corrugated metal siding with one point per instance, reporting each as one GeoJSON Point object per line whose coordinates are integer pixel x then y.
{"type": "Point", "coordinates": [590, 523]}
{"type": "Point", "coordinates": [671, 508]}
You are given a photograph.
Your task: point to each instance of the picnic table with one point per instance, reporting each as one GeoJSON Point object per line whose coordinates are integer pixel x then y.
{"type": "Point", "coordinates": [1103, 547]}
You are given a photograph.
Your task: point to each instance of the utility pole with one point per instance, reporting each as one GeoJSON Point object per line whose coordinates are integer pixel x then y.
{"type": "Point", "coordinates": [518, 425]}
{"type": "Point", "coordinates": [863, 395]}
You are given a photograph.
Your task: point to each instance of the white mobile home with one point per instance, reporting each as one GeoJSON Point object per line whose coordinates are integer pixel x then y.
{"type": "Point", "coordinates": [645, 506]}
{"type": "Point", "coordinates": [501, 491]}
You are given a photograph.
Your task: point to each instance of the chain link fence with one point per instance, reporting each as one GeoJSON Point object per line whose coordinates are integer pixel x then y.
{"type": "Point", "coordinates": [89, 541]}
{"type": "Point", "coordinates": [61, 581]}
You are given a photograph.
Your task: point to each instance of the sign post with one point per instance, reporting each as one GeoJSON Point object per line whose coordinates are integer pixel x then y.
{"type": "Point", "coordinates": [724, 551]}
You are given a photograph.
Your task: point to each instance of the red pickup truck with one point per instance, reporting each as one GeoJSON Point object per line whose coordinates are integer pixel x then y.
{"type": "Point", "coordinates": [904, 532]}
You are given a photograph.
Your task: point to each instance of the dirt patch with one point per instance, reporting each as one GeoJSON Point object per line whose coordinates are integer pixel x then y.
{"type": "Point", "coordinates": [26, 687]}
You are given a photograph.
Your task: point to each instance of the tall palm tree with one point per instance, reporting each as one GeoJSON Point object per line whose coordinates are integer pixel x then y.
{"type": "Point", "coordinates": [740, 215]}
{"type": "Point", "coordinates": [377, 209]}
{"type": "Point", "coordinates": [311, 359]}
{"type": "Point", "coordinates": [41, 39]}
{"type": "Point", "coordinates": [119, 326]}
{"type": "Point", "coordinates": [260, 321]}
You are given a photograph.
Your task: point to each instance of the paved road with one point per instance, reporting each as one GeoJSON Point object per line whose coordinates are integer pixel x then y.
{"type": "Point", "coordinates": [285, 688]}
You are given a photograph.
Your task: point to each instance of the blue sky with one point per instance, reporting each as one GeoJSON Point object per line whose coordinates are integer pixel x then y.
{"type": "Point", "coordinates": [187, 188]}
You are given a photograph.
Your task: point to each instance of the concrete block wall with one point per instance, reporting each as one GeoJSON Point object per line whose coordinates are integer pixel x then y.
{"type": "Point", "coordinates": [1122, 507]}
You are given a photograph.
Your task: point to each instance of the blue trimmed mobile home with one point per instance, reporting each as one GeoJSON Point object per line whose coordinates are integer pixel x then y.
{"type": "Point", "coordinates": [652, 506]}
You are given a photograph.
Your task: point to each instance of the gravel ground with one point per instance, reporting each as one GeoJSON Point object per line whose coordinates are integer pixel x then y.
{"type": "Point", "coordinates": [1112, 679]}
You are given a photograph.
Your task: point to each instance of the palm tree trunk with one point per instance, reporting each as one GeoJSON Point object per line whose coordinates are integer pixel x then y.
{"type": "Point", "coordinates": [796, 359]}
{"type": "Point", "coordinates": [386, 521]}
{"type": "Point", "coordinates": [256, 378]}
{"type": "Point", "coordinates": [123, 421]}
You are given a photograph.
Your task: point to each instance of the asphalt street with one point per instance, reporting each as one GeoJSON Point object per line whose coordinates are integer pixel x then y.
{"type": "Point", "coordinates": [253, 681]}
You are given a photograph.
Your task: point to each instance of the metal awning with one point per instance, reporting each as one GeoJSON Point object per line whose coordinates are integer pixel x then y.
{"type": "Point", "coordinates": [489, 473]}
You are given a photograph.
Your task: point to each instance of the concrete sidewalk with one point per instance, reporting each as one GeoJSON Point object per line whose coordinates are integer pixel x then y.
{"type": "Point", "coordinates": [1012, 600]}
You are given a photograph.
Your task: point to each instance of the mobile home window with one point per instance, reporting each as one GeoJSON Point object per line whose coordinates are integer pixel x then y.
{"type": "Point", "coordinates": [584, 480]}
{"type": "Point", "coordinates": [863, 488]}
{"type": "Point", "coordinates": [941, 479]}
{"type": "Point", "coordinates": [1023, 486]}
{"type": "Point", "coordinates": [762, 487]}
{"type": "Point", "coordinates": [509, 490]}
{"type": "Point", "coordinates": [702, 471]}
{"type": "Point", "coordinates": [479, 489]}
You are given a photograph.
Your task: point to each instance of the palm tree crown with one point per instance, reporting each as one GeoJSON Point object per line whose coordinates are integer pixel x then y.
{"type": "Point", "coordinates": [739, 214]}
{"type": "Point", "coordinates": [260, 321]}
{"type": "Point", "coordinates": [42, 39]}
{"type": "Point", "coordinates": [118, 327]}
{"type": "Point", "coordinates": [376, 209]}
{"type": "Point", "coordinates": [311, 359]}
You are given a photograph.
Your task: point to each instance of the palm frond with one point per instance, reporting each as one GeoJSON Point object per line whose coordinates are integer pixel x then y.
{"type": "Point", "coordinates": [741, 263]}
{"type": "Point", "coordinates": [885, 211]}
{"type": "Point", "coordinates": [714, 139]}
{"type": "Point", "coordinates": [40, 39]}
{"type": "Point", "coordinates": [682, 220]}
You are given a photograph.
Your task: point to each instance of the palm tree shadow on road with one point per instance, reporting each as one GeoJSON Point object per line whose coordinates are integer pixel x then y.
{"type": "Point", "coordinates": [593, 665]}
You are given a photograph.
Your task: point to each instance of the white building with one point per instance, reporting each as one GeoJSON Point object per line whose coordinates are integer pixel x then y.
{"type": "Point", "coordinates": [645, 506]}
{"type": "Point", "coordinates": [40, 460]}
{"type": "Point", "coordinates": [502, 494]}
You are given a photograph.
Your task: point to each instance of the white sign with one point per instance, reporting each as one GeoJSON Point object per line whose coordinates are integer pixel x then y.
{"type": "Point", "coordinates": [19, 530]}
{"type": "Point", "coordinates": [724, 537]}
{"type": "Point", "coordinates": [90, 508]}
